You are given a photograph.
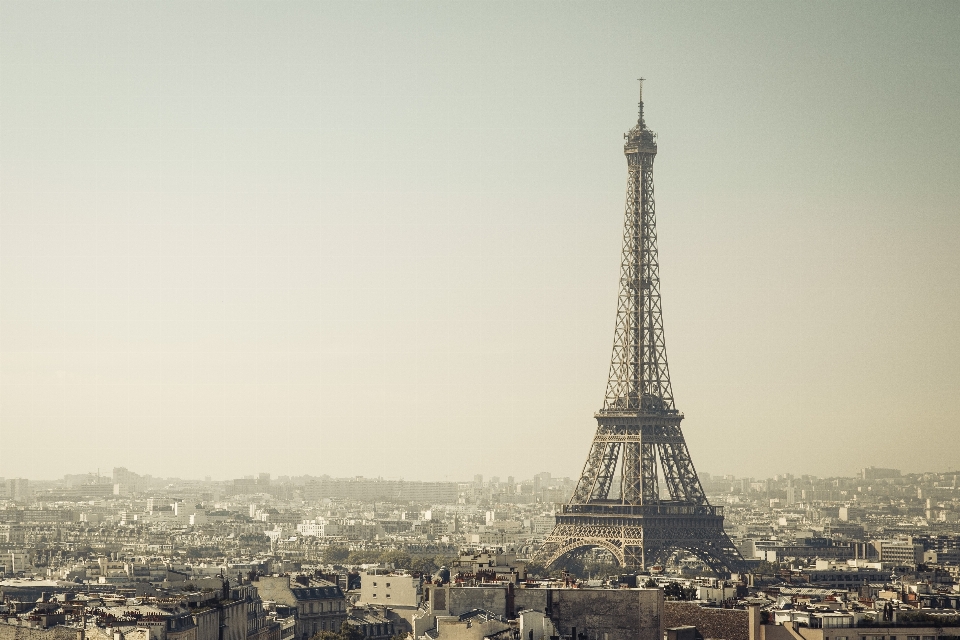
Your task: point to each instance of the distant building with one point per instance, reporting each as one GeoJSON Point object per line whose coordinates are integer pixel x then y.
{"type": "Point", "coordinates": [844, 530]}
{"type": "Point", "coordinates": [18, 489]}
{"type": "Point", "coordinates": [899, 552]}
{"type": "Point", "coordinates": [492, 564]}
{"type": "Point", "coordinates": [878, 473]}
{"type": "Point", "coordinates": [842, 577]}
{"type": "Point", "coordinates": [126, 482]}
{"type": "Point", "coordinates": [319, 528]}
{"type": "Point", "coordinates": [375, 489]}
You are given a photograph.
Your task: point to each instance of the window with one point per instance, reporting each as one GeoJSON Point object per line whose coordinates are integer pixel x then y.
{"type": "Point", "coordinates": [374, 584]}
{"type": "Point", "coordinates": [374, 595]}
{"type": "Point", "coordinates": [388, 584]}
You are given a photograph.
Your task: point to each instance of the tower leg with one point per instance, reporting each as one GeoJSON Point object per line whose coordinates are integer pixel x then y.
{"type": "Point", "coordinates": [635, 558]}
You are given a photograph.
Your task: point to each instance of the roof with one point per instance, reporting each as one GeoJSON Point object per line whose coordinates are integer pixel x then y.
{"type": "Point", "coordinates": [280, 590]}
{"type": "Point", "coordinates": [806, 591]}
{"type": "Point", "coordinates": [36, 584]}
{"type": "Point", "coordinates": [367, 616]}
{"type": "Point", "coordinates": [482, 615]}
{"type": "Point", "coordinates": [313, 593]}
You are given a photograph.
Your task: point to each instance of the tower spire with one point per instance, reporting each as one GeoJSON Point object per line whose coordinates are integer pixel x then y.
{"type": "Point", "coordinates": [640, 105]}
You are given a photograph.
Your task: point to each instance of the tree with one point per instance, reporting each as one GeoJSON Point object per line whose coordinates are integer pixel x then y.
{"type": "Point", "coordinates": [335, 554]}
{"type": "Point", "coordinates": [675, 591]}
{"type": "Point", "coordinates": [423, 565]}
{"type": "Point", "coordinates": [399, 559]}
{"type": "Point", "coordinates": [536, 569]}
{"type": "Point", "coordinates": [572, 565]}
{"type": "Point", "coordinates": [363, 556]}
{"type": "Point", "coordinates": [346, 632]}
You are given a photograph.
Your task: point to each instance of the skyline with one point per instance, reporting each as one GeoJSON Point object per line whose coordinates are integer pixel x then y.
{"type": "Point", "coordinates": [283, 477]}
{"type": "Point", "coordinates": [239, 235]}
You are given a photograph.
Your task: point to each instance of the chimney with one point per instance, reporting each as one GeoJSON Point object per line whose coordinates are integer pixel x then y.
{"type": "Point", "coordinates": [754, 617]}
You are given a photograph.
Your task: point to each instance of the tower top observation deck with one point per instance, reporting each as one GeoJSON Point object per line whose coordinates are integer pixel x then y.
{"type": "Point", "coordinates": [640, 139]}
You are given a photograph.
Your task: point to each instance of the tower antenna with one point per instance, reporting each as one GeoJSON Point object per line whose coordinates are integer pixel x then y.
{"type": "Point", "coordinates": [640, 105]}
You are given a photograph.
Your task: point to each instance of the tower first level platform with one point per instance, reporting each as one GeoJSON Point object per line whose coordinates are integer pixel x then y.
{"type": "Point", "coordinates": [642, 536]}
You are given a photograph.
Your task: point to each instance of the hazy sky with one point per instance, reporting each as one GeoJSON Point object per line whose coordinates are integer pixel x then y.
{"type": "Point", "coordinates": [383, 238]}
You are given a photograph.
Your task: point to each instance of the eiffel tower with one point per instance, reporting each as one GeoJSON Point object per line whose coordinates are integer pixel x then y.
{"type": "Point", "coordinates": [618, 504]}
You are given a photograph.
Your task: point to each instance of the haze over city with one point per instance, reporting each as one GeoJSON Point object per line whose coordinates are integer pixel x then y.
{"type": "Point", "coordinates": [384, 239]}
{"type": "Point", "coordinates": [349, 321]}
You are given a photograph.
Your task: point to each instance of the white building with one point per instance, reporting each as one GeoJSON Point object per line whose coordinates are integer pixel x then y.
{"type": "Point", "coordinates": [319, 528]}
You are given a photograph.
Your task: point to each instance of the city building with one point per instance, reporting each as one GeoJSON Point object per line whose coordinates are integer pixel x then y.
{"type": "Point", "coordinates": [317, 605]}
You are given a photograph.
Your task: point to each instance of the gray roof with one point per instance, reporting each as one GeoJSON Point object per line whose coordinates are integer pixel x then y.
{"type": "Point", "coordinates": [482, 615]}
{"type": "Point", "coordinates": [315, 593]}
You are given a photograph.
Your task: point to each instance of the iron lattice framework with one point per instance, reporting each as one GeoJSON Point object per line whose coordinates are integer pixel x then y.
{"type": "Point", "coordinates": [638, 437]}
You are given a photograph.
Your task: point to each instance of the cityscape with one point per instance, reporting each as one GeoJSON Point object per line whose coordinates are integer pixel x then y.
{"type": "Point", "coordinates": [214, 264]}
{"type": "Point", "coordinates": [291, 557]}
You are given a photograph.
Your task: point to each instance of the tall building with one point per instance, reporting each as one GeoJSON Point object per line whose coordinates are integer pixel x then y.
{"type": "Point", "coordinates": [878, 473]}
{"type": "Point", "coordinates": [18, 489]}
{"type": "Point", "coordinates": [618, 504]}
